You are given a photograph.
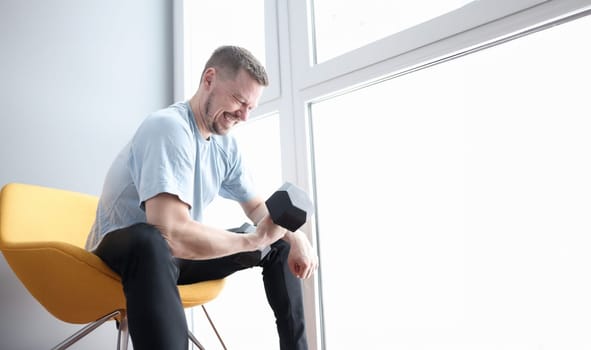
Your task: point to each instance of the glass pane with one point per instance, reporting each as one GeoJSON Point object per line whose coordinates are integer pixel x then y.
{"type": "Point", "coordinates": [242, 310]}
{"type": "Point", "coordinates": [211, 24]}
{"type": "Point", "coordinates": [260, 147]}
{"type": "Point", "coordinates": [454, 202]}
{"type": "Point", "coordinates": [342, 26]}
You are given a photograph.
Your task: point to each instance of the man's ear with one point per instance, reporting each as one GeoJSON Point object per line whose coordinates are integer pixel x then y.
{"type": "Point", "coordinates": [208, 77]}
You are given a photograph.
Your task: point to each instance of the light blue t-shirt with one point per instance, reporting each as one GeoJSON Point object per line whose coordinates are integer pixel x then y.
{"type": "Point", "coordinates": [167, 154]}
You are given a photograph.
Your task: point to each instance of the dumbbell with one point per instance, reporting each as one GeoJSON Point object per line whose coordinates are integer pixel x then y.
{"type": "Point", "coordinates": [289, 207]}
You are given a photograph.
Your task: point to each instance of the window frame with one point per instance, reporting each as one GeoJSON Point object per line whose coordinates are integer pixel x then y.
{"type": "Point", "coordinates": [297, 82]}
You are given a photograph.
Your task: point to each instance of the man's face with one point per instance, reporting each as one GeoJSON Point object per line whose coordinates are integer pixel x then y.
{"type": "Point", "coordinates": [229, 101]}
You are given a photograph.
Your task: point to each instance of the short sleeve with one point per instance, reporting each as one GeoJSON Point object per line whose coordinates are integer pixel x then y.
{"type": "Point", "coordinates": [238, 184]}
{"type": "Point", "coordinates": [163, 158]}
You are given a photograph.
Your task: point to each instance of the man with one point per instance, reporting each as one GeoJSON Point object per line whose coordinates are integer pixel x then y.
{"type": "Point", "coordinates": [149, 226]}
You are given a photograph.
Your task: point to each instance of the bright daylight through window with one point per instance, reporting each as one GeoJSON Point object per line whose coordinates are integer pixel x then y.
{"type": "Point", "coordinates": [467, 202]}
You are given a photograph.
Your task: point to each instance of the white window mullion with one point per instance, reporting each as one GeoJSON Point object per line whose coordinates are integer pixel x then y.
{"type": "Point", "coordinates": [294, 54]}
{"type": "Point", "coordinates": [300, 34]}
{"type": "Point", "coordinates": [272, 91]}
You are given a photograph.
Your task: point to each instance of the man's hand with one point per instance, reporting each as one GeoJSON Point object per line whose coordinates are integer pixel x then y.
{"type": "Point", "coordinates": [302, 259]}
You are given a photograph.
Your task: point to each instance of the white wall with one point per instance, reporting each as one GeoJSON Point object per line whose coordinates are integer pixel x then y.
{"type": "Point", "coordinates": [76, 77]}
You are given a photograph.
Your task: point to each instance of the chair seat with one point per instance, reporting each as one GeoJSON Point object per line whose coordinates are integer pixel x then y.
{"type": "Point", "coordinates": [200, 293]}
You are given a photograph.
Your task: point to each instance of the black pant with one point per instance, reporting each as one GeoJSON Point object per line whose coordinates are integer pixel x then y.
{"type": "Point", "coordinates": [150, 274]}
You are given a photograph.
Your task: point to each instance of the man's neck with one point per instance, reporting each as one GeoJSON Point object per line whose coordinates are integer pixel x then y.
{"type": "Point", "coordinates": [198, 113]}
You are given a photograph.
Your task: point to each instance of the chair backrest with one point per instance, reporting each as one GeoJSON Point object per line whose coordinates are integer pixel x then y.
{"type": "Point", "coordinates": [30, 213]}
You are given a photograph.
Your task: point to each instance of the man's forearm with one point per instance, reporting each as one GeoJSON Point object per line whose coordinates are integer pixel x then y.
{"type": "Point", "coordinates": [258, 212]}
{"type": "Point", "coordinates": [194, 240]}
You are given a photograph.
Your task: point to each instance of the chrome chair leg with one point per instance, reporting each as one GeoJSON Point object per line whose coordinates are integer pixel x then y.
{"type": "Point", "coordinates": [195, 341]}
{"type": "Point", "coordinates": [84, 331]}
{"type": "Point", "coordinates": [123, 334]}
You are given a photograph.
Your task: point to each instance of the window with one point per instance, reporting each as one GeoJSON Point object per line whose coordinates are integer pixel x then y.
{"type": "Point", "coordinates": [453, 202]}
{"type": "Point", "coordinates": [486, 139]}
{"type": "Point", "coordinates": [341, 26]}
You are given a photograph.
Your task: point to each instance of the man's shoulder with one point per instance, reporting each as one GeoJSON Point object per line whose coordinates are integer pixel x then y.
{"type": "Point", "coordinates": [175, 113]}
{"type": "Point", "coordinates": [170, 120]}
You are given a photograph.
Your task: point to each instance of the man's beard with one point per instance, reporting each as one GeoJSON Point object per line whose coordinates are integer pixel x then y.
{"type": "Point", "coordinates": [208, 120]}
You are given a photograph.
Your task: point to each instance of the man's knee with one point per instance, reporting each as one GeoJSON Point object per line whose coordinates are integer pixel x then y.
{"type": "Point", "coordinates": [139, 241]}
{"type": "Point", "coordinates": [137, 250]}
{"type": "Point", "coordinates": [278, 253]}
{"type": "Point", "coordinates": [282, 246]}
{"type": "Point", "coordinates": [147, 239]}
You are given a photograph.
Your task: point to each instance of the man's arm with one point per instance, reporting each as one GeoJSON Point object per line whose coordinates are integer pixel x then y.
{"type": "Point", "coordinates": [255, 209]}
{"type": "Point", "coordinates": [190, 239]}
{"type": "Point", "coordinates": [302, 259]}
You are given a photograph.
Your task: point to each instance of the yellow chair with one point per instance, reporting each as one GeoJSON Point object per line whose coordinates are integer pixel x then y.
{"type": "Point", "coordinates": [42, 236]}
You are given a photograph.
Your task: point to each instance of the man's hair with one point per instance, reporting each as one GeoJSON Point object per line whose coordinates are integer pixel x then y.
{"type": "Point", "coordinates": [230, 59]}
